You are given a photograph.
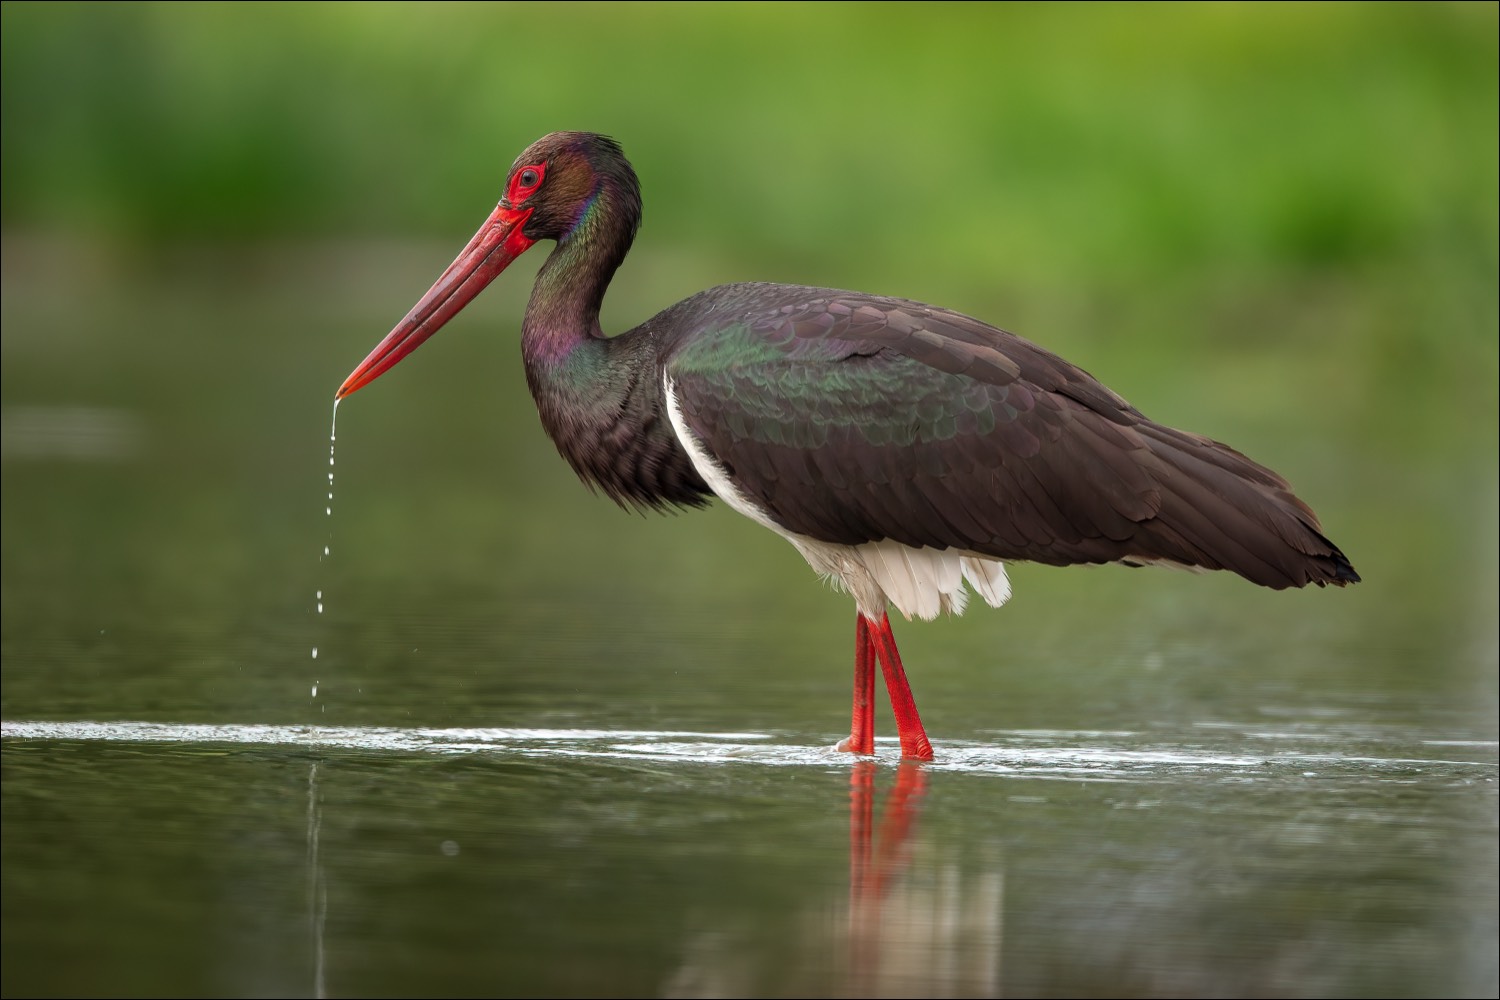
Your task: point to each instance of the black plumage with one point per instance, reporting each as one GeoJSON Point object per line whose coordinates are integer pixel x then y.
{"type": "Point", "coordinates": [853, 418]}
{"type": "Point", "coordinates": [902, 448]}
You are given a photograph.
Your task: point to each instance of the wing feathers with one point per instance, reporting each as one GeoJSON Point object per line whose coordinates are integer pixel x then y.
{"type": "Point", "coordinates": [856, 420]}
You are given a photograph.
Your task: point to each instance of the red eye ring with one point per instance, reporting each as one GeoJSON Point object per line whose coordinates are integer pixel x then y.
{"type": "Point", "coordinates": [525, 182]}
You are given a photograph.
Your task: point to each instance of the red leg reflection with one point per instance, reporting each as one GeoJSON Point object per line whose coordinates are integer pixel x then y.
{"type": "Point", "coordinates": [876, 869]}
{"type": "Point", "coordinates": [861, 812]}
{"type": "Point", "coordinates": [872, 868]}
{"type": "Point", "coordinates": [901, 808]}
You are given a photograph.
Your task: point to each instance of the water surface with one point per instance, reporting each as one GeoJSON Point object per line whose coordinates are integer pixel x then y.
{"type": "Point", "coordinates": [557, 749]}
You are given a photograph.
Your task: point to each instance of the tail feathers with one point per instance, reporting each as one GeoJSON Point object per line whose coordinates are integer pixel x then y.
{"type": "Point", "coordinates": [1220, 510]}
{"type": "Point", "coordinates": [1342, 569]}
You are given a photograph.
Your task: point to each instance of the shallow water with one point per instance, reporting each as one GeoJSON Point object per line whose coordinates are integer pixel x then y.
{"type": "Point", "coordinates": [284, 860]}
{"type": "Point", "coordinates": [556, 749]}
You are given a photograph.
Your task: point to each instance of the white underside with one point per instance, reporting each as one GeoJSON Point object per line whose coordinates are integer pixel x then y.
{"type": "Point", "coordinates": [920, 582]}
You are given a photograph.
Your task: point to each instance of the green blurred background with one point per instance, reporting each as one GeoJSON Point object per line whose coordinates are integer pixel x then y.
{"type": "Point", "coordinates": [1274, 224]}
{"type": "Point", "coordinates": [1175, 178]}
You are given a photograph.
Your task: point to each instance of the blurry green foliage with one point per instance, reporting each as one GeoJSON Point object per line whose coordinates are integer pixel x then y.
{"type": "Point", "coordinates": [1123, 138]}
{"type": "Point", "coordinates": [1314, 180]}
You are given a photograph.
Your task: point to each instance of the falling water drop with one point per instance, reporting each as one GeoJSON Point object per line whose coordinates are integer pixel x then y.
{"type": "Point", "coordinates": [327, 512]}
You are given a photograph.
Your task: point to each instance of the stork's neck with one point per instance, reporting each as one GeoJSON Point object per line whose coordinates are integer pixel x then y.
{"type": "Point", "coordinates": [563, 314]}
{"type": "Point", "coordinates": [564, 349]}
{"type": "Point", "coordinates": [599, 397]}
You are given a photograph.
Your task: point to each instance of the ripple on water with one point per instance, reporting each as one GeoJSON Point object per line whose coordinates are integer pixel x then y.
{"type": "Point", "coordinates": [1114, 756]}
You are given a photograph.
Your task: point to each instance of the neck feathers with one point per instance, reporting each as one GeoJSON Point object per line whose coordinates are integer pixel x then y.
{"type": "Point", "coordinates": [602, 405]}
{"type": "Point", "coordinates": [599, 398]}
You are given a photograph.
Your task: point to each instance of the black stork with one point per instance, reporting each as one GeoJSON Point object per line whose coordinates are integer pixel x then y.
{"type": "Point", "coordinates": [903, 449]}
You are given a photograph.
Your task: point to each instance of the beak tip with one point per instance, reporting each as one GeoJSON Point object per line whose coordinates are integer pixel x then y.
{"type": "Point", "coordinates": [350, 386]}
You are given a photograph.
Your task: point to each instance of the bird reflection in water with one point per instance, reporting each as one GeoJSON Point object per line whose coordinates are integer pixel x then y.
{"type": "Point", "coordinates": [913, 923]}
{"type": "Point", "coordinates": [924, 930]}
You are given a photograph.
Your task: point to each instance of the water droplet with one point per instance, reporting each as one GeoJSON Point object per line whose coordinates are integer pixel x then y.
{"type": "Point", "coordinates": [328, 511]}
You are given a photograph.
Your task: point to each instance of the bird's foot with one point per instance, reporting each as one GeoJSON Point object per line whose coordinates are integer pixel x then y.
{"type": "Point", "coordinates": [917, 748]}
{"type": "Point", "coordinates": [853, 744]}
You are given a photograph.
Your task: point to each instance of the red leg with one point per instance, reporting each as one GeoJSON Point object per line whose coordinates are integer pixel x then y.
{"type": "Point", "coordinates": [862, 723]}
{"type": "Point", "coordinates": [914, 743]}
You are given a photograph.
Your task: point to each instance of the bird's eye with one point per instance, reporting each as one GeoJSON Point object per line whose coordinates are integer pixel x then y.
{"type": "Point", "coordinates": [524, 182]}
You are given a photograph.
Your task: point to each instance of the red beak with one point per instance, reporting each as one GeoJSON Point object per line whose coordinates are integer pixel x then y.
{"type": "Point", "coordinates": [498, 242]}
